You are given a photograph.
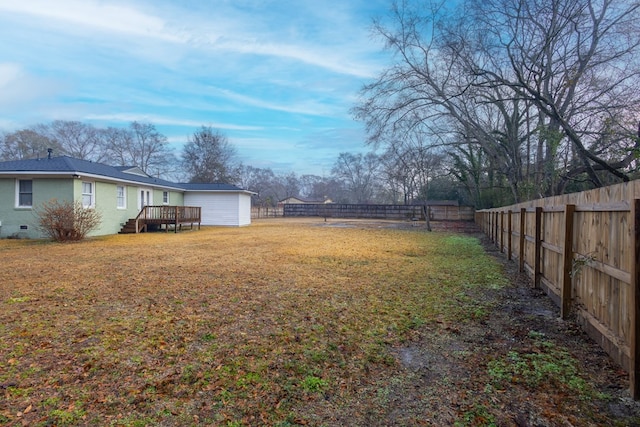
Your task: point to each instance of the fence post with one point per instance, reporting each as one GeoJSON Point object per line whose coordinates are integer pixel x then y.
{"type": "Point", "coordinates": [634, 303]}
{"type": "Point", "coordinates": [501, 231]}
{"type": "Point", "coordinates": [490, 225]}
{"type": "Point", "coordinates": [567, 255]}
{"type": "Point", "coordinates": [523, 216]}
{"type": "Point", "coordinates": [538, 249]}
{"type": "Point", "coordinates": [493, 226]}
{"type": "Point", "coordinates": [509, 242]}
{"type": "Point", "coordinates": [496, 228]}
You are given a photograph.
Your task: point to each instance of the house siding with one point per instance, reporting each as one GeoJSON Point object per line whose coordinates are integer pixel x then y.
{"type": "Point", "coordinates": [112, 218]}
{"type": "Point", "coordinates": [13, 220]}
{"type": "Point", "coordinates": [175, 198]}
{"type": "Point", "coordinates": [244, 215]}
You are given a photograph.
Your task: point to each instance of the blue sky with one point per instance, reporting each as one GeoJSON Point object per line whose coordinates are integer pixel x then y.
{"type": "Point", "coordinates": [278, 77]}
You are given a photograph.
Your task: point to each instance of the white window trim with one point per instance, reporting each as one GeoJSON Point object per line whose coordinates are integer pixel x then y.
{"type": "Point", "coordinates": [18, 205]}
{"type": "Point", "coordinates": [93, 194]}
{"type": "Point", "coordinates": [168, 198]}
{"type": "Point", "coordinates": [124, 197]}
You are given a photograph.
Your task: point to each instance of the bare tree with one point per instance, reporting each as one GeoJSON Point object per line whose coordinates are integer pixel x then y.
{"type": "Point", "coordinates": [286, 185]}
{"type": "Point", "coordinates": [149, 149]}
{"type": "Point", "coordinates": [26, 144]}
{"type": "Point", "coordinates": [577, 62]}
{"type": "Point", "coordinates": [139, 145]}
{"type": "Point", "coordinates": [261, 181]}
{"type": "Point", "coordinates": [410, 165]}
{"type": "Point", "coordinates": [77, 139]}
{"type": "Point", "coordinates": [547, 90]}
{"type": "Point", "coordinates": [322, 188]}
{"type": "Point", "coordinates": [360, 175]}
{"type": "Point", "coordinates": [118, 142]}
{"type": "Point", "coordinates": [210, 157]}
{"type": "Point", "coordinates": [430, 94]}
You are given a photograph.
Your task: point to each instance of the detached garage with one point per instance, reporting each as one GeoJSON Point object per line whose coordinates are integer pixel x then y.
{"type": "Point", "coordinates": [222, 204]}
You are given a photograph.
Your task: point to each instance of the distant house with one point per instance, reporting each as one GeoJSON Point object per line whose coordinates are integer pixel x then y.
{"type": "Point", "coordinates": [118, 193]}
{"type": "Point", "coordinates": [302, 200]}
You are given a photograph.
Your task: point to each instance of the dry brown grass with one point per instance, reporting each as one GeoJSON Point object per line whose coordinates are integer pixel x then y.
{"type": "Point", "coordinates": [281, 323]}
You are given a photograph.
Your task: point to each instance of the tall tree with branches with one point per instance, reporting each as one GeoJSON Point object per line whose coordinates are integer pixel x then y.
{"type": "Point", "coordinates": [546, 89]}
{"type": "Point", "coordinates": [577, 62]}
{"type": "Point", "coordinates": [209, 157]}
{"type": "Point", "coordinates": [77, 139]}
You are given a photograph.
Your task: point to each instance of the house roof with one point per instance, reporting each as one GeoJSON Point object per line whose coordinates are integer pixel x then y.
{"type": "Point", "coordinates": [209, 187]}
{"type": "Point", "coordinates": [65, 166]}
{"type": "Point", "coordinates": [302, 199]}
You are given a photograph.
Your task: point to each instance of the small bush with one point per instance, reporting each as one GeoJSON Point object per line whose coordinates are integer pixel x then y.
{"type": "Point", "coordinates": [66, 220]}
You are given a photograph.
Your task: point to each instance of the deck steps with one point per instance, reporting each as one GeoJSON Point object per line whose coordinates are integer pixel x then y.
{"type": "Point", "coordinates": [129, 227]}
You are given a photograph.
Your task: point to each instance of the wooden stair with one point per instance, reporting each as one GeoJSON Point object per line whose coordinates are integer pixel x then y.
{"type": "Point", "coordinates": [129, 227]}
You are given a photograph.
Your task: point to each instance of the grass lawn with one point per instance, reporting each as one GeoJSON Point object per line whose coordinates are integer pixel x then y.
{"type": "Point", "coordinates": [280, 323]}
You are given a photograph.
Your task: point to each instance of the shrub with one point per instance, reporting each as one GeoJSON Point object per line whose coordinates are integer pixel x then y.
{"type": "Point", "coordinates": [66, 220]}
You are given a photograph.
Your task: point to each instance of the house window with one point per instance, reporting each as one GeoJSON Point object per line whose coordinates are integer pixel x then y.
{"type": "Point", "coordinates": [25, 193]}
{"type": "Point", "coordinates": [88, 198]}
{"type": "Point", "coordinates": [165, 197]}
{"type": "Point", "coordinates": [120, 197]}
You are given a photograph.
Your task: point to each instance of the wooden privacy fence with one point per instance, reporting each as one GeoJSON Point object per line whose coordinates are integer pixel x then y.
{"type": "Point", "coordinates": [338, 210]}
{"type": "Point", "coordinates": [258, 212]}
{"type": "Point", "coordinates": [583, 249]}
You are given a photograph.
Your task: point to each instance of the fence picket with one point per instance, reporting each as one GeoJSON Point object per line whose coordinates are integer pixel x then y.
{"type": "Point", "coordinates": [634, 303]}
{"type": "Point", "coordinates": [567, 257]}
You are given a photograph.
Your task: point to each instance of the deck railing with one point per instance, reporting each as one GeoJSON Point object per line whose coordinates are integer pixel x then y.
{"type": "Point", "coordinates": [168, 215]}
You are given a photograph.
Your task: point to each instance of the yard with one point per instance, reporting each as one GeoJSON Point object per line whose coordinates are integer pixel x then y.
{"type": "Point", "coordinates": [283, 323]}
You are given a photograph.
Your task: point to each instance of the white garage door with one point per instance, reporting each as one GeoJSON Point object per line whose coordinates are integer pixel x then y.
{"type": "Point", "coordinates": [217, 208]}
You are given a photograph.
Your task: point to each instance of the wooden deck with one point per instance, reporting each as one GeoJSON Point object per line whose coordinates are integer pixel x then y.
{"type": "Point", "coordinates": [153, 216]}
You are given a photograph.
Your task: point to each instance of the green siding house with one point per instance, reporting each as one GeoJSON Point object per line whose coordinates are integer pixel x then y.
{"type": "Point", "coordinates": [118, 193]}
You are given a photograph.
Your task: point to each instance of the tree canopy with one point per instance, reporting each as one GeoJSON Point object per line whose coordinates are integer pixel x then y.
{"type": "Point", "coordinates": [209, 157]}
{"type": "Point", "coordinates": [539, 97]}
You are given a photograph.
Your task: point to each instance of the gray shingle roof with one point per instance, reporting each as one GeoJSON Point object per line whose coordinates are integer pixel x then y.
{"type": "Point", "coordinates": [71, 166]}
{"type": "Point", "coordinates": [209, 187]}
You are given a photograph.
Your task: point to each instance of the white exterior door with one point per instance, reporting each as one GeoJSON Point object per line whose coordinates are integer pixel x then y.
{"type": "Point", "coordinates": [145, 197]}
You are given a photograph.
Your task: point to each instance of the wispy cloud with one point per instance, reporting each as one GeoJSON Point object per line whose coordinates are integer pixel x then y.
{"type": "Point", "coordinates": [230, 35]}
{"type": "Point", "coordinates": [113, 18]}
{"type": "Point", "coordinates": [163, 120]}
{"type": "Point", "coordinates": [309, 54]}
{"type": "Point", "coordinates": [310, 107]}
